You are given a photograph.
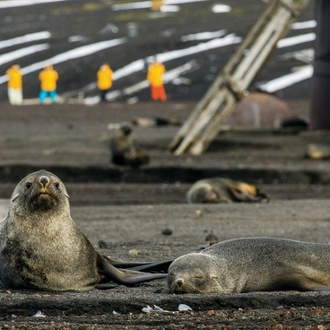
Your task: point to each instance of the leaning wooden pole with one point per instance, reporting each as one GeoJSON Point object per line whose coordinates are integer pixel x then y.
{"type": "Point", "coordinates": [204, 122]}
{"type": "Point", "coordinates": [320, 86]}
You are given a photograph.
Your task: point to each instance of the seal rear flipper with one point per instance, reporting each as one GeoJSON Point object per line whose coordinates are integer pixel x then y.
{"type": "Point", "coordinates": [124, 276]}
{"type": "Point", "coordinates": [244, 192]}
{"type": "Point", "coordinates": [153, 266]}
{"type": "Point", "coordinates": [320, 287]}
{"type": "Point", "coordinates": [298, 281]}
{"type": "Point", "coordinates": [310, 285]}
{"type": "Point", "coordinates": [150, 266]}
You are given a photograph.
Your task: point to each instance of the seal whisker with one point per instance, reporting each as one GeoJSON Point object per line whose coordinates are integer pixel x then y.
{"type": "Point", "coordinates": [14, 198]}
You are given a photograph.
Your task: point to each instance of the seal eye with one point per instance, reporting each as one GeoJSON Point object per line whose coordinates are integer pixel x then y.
{"type": "Point", "coordinates": [28, 185]}
{"type": "Point", "coordinates": [57, 185]}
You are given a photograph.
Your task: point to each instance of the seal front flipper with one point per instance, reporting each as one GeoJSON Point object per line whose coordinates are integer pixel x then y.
{"type": "Point", "coordinates": [124, 276]}
{"type": "Point", "coordinates": [150, 266]}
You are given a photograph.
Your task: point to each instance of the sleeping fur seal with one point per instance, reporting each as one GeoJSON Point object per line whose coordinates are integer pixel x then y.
{"type": "Point", "coordinates": [221, 190]}
{"type": "Point", "coordinates": [41, 247]}
{"type": "Point", "coordinates": [252, 264]}
{"type": "Point", "coordinates": [123, 150]}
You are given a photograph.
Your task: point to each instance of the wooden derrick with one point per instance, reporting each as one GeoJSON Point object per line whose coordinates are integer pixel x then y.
{"type": "Point", "coordinates": [203, 125]}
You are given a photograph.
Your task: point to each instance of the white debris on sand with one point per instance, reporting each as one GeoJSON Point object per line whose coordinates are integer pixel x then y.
{"type": "Point", "coordinates": [39, 314]}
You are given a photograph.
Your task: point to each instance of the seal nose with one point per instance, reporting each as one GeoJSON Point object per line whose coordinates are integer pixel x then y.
{"type": "Point", "coordinates": [179, 282]}
{"type": "Point", "coordinates": [44, 180]}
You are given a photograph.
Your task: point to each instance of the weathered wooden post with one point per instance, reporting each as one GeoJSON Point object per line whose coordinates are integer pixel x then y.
{"type": "Point", "coordinates": [204, 122]}
{"type": "Point", "coordinates": [320, 95]}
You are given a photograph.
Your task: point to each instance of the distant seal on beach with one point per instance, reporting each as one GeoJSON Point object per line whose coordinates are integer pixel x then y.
{"type": "Point", "coordinates": [123, 150]}
{"type": "Point", "coordinates": [221, 190]}
{"type": "Point", "coordinates": [41, 247]}
{"type": "Point", "coordinates": [154, 122]}
{"type": "Point", "coordinates": [317, 151]}
{"type": "Point", "coordinates": [252, 264]}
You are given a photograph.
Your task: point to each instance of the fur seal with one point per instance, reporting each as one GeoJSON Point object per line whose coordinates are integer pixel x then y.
{"type": "Point", "coordinates": [317, 151]}
{"type": "Point", "coordinates": [252, 264]}
{"type": "Point", "coordinates": [124, 152]}
{"type": "Point", "coordinates": [41, 247]}
{"type": "Point", "coordinates": [221, 190]}
{"type": "Point", "coordinates": [154, 122]}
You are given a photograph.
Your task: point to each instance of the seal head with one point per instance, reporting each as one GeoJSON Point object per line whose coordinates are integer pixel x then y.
{"type": "Point", "coordinates": [39, 192]}
{"type": "Point", "coordinates": [193, 273]}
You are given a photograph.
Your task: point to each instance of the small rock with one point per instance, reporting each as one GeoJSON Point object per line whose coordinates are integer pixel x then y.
{"type": "Point", "coordinates": [133, 252]}
{"type": "Point", "coordinates": [167, 231]}
{"type": "Point", "coordinates": [102, 244]}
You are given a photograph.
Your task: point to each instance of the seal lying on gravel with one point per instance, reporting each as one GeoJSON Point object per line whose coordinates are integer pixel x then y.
{"type": "Point", "coordinates": [41, 247]}
{"type": "Point", "coordinates": [154, 122]}
{"type": "Point", "coordinates": [252, 264]}
{"type": "Point", "coordinates": [220, 190]}
{"type": "Point", "coordinates": [123, 151]}
{"type": "Point", "coordinates": [317, 151]}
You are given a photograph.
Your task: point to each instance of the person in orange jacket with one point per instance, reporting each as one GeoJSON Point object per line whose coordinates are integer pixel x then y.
{"type": "Point", "coordinates": [104, 80]}
{"type": "Point", "coordinates": [15, 91]}
{"type": "Point", "coordinates": [48, 78]}
{"type": "Point", "coordinates": [155, 78]}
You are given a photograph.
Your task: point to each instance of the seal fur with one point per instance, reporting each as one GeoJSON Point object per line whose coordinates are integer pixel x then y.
{"type": "Point", "coordinates": [123, 150]}
{"type": "Point", "coordinates": [221, 190]}
{"type": "Point", "coordinates": [252, 264]}
{"type": "Point", "coordinates": [41, 247]}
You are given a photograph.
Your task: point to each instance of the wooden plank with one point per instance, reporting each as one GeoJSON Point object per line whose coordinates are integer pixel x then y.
{"type": "Point", "coordinates": [203, 124]}
{"type": "Point", "coordinates": [203, 120]}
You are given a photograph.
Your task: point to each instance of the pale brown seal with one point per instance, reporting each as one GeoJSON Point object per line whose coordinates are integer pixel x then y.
{"type": "Point", "coordinates": [123, 150]}
{"type": "Point", "coordinates": [221, 190]}
{"type": "Point", "coordinates": [41, 247]}
{"type": "Point", "coordinates": [317, 151]}
{"type": "Point", "coordinates": [154, 122]}
{"type": "Point", "coordinates": [252, 264]}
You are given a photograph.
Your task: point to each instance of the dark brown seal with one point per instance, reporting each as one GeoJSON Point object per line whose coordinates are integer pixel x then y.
{"type": "Point", "coordinates": [221, 190]}
{"type": "Point", "coordinates": [42, 247]}
{"type": "Point", "coordinates": [252, 264]}
{"type": "Point", "coordinates": [123, 150]}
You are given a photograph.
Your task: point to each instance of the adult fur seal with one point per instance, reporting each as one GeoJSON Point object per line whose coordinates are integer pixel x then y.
{"type": "Point", "coordinates": [123, 150]}
{"type": "Point", "coordinates": [41, 247]}
{"type": "Point", "coordinates": [252, 264]}
{"type": "Point", "coordinates": [221, 190]}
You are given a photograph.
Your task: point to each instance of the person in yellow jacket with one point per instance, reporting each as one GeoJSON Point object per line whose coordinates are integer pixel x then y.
{"type": "Point", "coordinates": [155, 78]}
{"type": "Point", "coordinates": [15, 91]}
{"type": "Point", "coordinates": [48, 78]}
{"type": "Point", "coordinates": [104, 80]}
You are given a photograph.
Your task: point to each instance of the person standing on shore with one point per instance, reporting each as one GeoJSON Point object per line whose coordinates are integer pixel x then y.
{"type": "Point", "coordinates": [15, 91]}
{"type": "Point", "coordinates": [48, 78]}
{"type": "Point", "coordinates": [155, 78]}
{"type": "Point", "coordinates": [104, 80]}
